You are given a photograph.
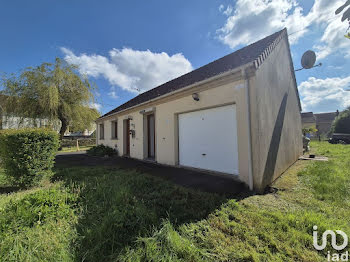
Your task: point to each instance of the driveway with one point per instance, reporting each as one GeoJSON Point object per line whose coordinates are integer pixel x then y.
{"type": "Point", "coordinates": [183, 177]}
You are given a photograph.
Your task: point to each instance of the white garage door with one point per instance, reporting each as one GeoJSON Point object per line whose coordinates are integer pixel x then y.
{"type": "Point", "coordinates": [208, 139]}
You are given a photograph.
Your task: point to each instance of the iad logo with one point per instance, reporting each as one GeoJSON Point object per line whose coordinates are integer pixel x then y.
{"type": "Point", "coordinates": [334, 256]}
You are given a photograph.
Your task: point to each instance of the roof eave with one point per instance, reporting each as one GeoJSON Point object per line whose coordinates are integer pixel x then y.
{"type": "Point", "coordinates": [237, 70]}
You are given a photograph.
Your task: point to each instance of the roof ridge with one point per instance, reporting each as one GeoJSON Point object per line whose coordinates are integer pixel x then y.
{"type": "Point", "coordinates": [250, 54]}
{"type": "Point", "coordinates": [268, 50]}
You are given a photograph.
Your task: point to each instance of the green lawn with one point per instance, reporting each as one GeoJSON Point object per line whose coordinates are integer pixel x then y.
{"type": "Point", "coordinates": [101, 214]}
{"type": "Point", "coordinates": [74, 149]}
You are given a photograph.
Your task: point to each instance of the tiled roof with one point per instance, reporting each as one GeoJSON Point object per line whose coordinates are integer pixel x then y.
{"type": "Point", "coordinates": [308, 117]}
{"type": "Point", "coordinates": [255, 53]}
{"type": "Point", "coordinates": [325, 117]}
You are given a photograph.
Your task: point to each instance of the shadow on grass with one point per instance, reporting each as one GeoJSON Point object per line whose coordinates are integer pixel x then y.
{"type": "Point", "coordinates": [9, 189]}
{"type": "Point", "coordinates": [118, 205]}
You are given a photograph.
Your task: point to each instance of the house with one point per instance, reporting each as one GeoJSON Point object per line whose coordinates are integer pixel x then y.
{"type": "Point", "coordinates": [308, 120]}
{"type": "Point", "coordinates": [16, 122]}
{"type": "Point", "coordinates": [238, 116]}
{"type": "Point", "coordinates": [324, 122]}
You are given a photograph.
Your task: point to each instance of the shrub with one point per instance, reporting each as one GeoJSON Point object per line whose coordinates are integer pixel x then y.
{"type": "Point", "coordinates": [342, 123]}
{"type": "Point", "coordinates": [101, 150]}
{"type": "Point", "coordinates": [28, 155]}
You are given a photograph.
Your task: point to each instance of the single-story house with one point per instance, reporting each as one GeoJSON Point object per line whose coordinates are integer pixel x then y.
{"type": "Point", "coordinates": [238, 116]}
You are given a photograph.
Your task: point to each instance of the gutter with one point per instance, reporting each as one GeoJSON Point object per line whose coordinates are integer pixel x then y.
{"type": "Point", "coordinates": [233, 71]}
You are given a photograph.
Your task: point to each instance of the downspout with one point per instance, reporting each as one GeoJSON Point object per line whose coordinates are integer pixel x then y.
{"type": "Point", "coordinates": [250, 163]}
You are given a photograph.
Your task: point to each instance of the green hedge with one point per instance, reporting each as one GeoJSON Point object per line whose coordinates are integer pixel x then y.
{"type": "Point", "coordinates": [28, 154]}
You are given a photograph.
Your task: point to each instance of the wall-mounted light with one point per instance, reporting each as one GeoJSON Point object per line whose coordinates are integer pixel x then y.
{"type": "Point", "coordinates": [195, 96]}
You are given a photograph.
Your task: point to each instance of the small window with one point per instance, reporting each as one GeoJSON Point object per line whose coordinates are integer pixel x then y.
{"type": "Point", "coordinates": [114, 130]}
{"type": "Point", "coordinates": [102, 131]}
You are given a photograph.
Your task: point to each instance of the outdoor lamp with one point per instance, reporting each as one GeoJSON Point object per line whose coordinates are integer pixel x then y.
{"type": "Point", "coordinates": [195, 96]}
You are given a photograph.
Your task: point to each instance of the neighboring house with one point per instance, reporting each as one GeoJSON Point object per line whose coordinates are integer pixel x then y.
{"type": "Point", "coordinates": [14, 122]}
{"type": "Point", "coordinates": [324, 122]}
{"type": "Point", "coordinates": [239, 116]}
{"type": "Point", "coordinates": [308, 120]}
{"type": "Point", "coordinates": [86, 132]}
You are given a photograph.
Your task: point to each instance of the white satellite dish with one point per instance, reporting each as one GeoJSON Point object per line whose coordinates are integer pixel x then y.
{"type": "Point", "coordinates": [308, 60]}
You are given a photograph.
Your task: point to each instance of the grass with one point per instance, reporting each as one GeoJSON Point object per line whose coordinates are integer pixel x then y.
{"type": "Point", "coordinates": [74, 149]}
{"type": "Point", "coordinates": [109, 214]}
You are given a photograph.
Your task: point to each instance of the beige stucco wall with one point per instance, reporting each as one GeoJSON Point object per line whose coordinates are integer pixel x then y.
{"type": "Point", "coordinates": [272, 81]}
{"type": "Point", "coordinates": [274, 147]}
{"type": "Point", "coordinates": [166, 112]}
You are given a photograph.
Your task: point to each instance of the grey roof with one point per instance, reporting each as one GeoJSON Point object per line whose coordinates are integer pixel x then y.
{"type": "Point", "coordinates": [326, 117]}
{"type": "Point", "coordinates": [254, 52]}
{"type": "Point", "coordinates": [308, 117]}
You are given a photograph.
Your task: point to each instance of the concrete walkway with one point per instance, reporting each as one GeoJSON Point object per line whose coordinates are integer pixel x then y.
{"type": "Point", "coordinates": [184, 177]}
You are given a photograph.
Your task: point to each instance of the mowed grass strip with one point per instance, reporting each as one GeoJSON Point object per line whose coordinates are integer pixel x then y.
{"type": "Point", "coordinates": [110, 214]}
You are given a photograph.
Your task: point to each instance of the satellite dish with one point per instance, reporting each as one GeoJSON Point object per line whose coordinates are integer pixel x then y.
{"type": "Point", "coordinates": [308, 59]}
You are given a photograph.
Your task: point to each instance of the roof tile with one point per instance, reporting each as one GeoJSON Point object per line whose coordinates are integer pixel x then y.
{"type": "Point", "coordinates": [229, 62]}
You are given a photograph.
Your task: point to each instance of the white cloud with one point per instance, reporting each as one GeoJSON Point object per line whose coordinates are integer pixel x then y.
{"type": "Point", "coordinates": [97, 106]}
{"type": "Point", "coordinates": [228, 10]}
{"type": "Point", "coordinates": [130, 69]}
{"type": "Point", "coordinates": [112, 93]}
{"type": "Point", "coordinates": [221, 7]}
{"type": "Point", "coordinates": [325, 95]}
{"type": "Point", "coordinates": [333, 40]}
{"type": "Point", "coordinates": [255, 19]}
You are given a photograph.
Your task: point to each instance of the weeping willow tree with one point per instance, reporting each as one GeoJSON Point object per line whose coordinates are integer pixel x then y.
{"type": "Point", "coordinates": [53, 92]}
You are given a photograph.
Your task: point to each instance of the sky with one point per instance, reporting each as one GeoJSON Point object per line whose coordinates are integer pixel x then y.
{"type": "Point", "coordinates": [128, 47]}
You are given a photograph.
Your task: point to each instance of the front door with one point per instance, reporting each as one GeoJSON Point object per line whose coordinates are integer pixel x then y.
{"type": "Point", "coordinates": [151, 136]}
{"type": "Point", "coordinates": [127, 137]}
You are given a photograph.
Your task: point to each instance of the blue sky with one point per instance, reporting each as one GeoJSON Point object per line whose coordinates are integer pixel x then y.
{"type": "Point", "coordinates": [128, 46]}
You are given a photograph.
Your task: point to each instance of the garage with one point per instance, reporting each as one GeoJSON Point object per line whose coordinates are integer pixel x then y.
{"type": "Point", "coordinates": [208, 139]}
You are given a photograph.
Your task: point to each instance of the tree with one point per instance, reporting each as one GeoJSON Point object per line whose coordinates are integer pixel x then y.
{"type": "Point", "coordinates": [346, 15]}
{"type": "Point", "coordinates": [309, 130]}
{"type": "Point", "coordinates": [53, 92]}
{"type": "Point", "coordinates": [342, 123]}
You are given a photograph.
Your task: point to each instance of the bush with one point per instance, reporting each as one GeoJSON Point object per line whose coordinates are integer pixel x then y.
{"type": "Point", "coordinates": [102, 150]}
{"type": "Point", "coordinates": [342, 123]}
{"type": "Point", "coordinates": [28, 155]}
